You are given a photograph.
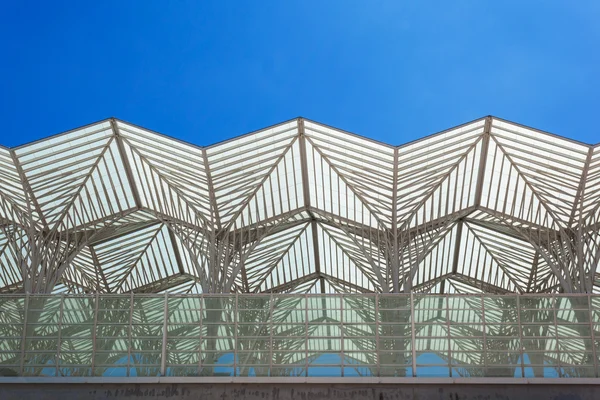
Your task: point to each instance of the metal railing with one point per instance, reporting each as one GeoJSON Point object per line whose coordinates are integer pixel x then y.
{"type": "Point", "coordinates": [370, 335]}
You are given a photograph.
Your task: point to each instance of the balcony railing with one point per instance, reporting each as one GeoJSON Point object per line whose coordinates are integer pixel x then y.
{"type": "Point", "coordinates": [370, 335]}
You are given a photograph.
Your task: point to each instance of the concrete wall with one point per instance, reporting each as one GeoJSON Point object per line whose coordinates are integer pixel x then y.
{"type": "Point", "coordinates": [296, 391]}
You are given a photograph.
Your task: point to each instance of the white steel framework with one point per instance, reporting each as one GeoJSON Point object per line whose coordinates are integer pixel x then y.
{"type": "Point", "coordinates": [489, 206]}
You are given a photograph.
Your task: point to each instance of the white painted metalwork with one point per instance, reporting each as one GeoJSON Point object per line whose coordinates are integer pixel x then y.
{"type": "Point", "coordinates": [490, 206]}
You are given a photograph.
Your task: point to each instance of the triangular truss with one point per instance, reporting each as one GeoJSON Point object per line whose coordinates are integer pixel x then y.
{"type": "Point", "coordinates": [489, 206]}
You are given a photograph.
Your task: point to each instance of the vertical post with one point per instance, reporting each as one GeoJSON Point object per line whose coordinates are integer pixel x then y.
{"type": "Point", "coordinates": [342, 333]}
{"type": "Point", "coordinates": [521, 344]}
{"type": "Point", "coordinates": [58, 343]}
{"type": "Point", "coordinates": [395, 261]}
{"type": "Point", "coordinates": [593, 336]}
{"type": "Point", "coordinates": [271, 309]}
{"type": "Point", "coordinates": [235, 335]}
{"type": "Point", "coordinates": [165, 331]}
{"type": "Point", "coordinates": [484, 345]}
{"type": "Point", "coordinates": [555, 306]}
{"type": "Point", "coordinates": [377, 327]}
{"type": "Point", "coordinates": [129, 334]}
{"type": "Point", "coordinates": [413, 335]}
{"type": "Point", "coordinates": [94, 329]}
{"type": "Point", "coordinates": [24, 340]}
{"type": "Point", "coordinates": [449, 337]}
{"type": "Point", "coordinates": [201, 337]}
{"type": "Point", "coordinates": [306, 335]}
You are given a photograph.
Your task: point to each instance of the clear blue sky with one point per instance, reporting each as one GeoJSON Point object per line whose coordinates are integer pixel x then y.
{"type": "Point", "coordinates": [204, 71]}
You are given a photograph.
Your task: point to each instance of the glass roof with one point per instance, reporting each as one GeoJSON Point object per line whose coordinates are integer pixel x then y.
{"type": "Point", "coordinates": [489, 206]}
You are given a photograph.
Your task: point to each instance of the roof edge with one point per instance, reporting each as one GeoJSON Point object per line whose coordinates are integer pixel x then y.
{"type": "Point", "coordinates": [57, 135]}
{"type": "Point", "coordinates": [426, 137]}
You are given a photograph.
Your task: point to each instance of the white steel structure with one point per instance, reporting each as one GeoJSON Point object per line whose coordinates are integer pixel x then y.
{"type": "Point", "coordinates": [489, 206]}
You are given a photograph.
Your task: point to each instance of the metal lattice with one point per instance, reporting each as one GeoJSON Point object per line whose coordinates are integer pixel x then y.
{"type": "Point", "coordinates": [489, 206]}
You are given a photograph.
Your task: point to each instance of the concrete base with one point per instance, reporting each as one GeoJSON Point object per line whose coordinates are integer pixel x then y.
{"type": "Point", "coordinates": [297, 391]}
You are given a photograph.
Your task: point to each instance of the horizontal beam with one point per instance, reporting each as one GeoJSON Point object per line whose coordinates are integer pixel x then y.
{"type": "Point", "coordinates": [350, 380]}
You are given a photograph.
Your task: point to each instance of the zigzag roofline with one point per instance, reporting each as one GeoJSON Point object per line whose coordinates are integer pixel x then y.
{"type": "Point", "coordinates": [342, 131]}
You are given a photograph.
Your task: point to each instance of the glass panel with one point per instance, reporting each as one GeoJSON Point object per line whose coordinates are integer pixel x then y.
{"type": "Point", "coordinates": [12, 318]}
{"type": "Point", "coordinates": [291, 335]}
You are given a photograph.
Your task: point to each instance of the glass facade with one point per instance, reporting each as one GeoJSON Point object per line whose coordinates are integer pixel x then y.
{"type": "Point", "coordinates": [279, 335]}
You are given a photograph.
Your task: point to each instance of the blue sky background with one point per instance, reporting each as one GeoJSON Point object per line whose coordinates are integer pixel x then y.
{"type": "Point", "coordinates": [204, 71]}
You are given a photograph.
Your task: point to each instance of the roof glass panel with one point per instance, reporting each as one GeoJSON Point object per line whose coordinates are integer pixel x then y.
{"type": "Point", "coordinates": [488, 206]}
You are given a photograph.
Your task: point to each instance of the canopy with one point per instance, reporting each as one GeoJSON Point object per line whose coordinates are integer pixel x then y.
{"type": "Point", "coordinates": [489, 206]}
